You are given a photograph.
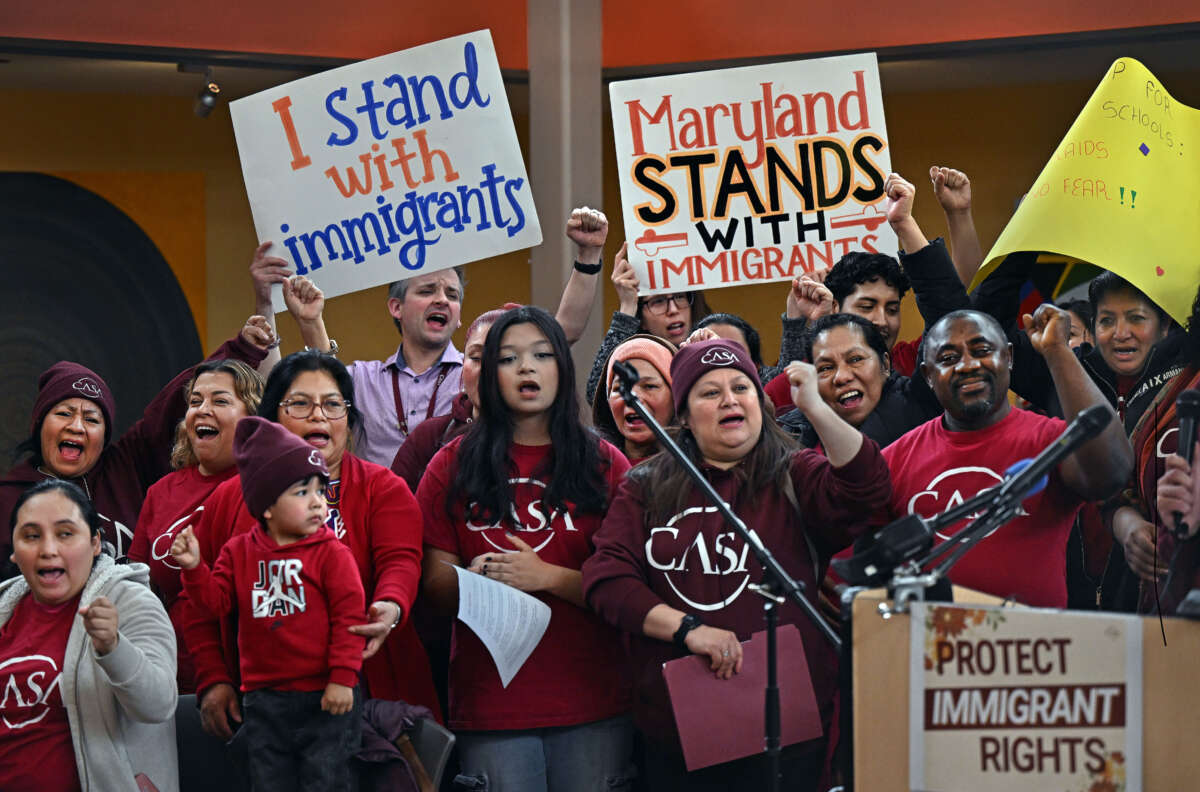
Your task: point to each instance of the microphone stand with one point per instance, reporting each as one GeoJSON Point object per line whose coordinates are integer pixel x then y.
{"type": "Point", "coordinates": [776, 587]}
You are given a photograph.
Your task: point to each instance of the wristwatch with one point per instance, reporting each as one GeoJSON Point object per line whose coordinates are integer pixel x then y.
{"type": "Point", "coordinates": [333, 348]}
{"type": "Point", "coordinates": [690, 622]}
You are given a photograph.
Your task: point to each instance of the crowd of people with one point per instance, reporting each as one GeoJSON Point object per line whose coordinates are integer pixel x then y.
{"type": "Point", "coordinates": [297, 521]}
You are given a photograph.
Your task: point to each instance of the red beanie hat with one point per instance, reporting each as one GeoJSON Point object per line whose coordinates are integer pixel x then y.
{"type": "Point", "coordinates": [269, 460]}
{"type": "Point", "coordinates": [697, 359]}
{"type": "Point", "coordinates": [67, 380]}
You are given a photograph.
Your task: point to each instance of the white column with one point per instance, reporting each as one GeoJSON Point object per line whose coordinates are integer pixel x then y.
{"type": "Point", "coordinates": [565, 114]}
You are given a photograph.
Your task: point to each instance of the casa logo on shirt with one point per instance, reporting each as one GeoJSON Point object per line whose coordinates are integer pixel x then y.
{"type": "Point", "coordinates": [160, 548]}
{"type": "Point", "coordinates": [951, 488]}
{"type": "Point", "coordinates": [718, 357]}
{"type": "Point", "coordinates": [121, 535]}
{"type": "Point", "coordinates": [532, 519]}
{"type": "Point", "coordinates": [278, 591]}
{"type": "Point", "coordinates": [87, 386]}
{"type": "Point", "coordinates": [28, 683]}
{"type": "Point", "coordinates": [698, 558]}
{"type": "Point", "coordinates": [1168, 443]}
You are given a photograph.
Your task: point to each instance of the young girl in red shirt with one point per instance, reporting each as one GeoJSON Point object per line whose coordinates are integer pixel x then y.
{"type": "Point", "coordinates": [517, 499]}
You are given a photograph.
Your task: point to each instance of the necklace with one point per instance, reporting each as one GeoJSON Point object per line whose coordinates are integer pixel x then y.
{"type": "Point", "coordinates": [82, 480]}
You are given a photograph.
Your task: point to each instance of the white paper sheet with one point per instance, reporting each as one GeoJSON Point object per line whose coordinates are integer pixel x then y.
{"type": "Point", "coordinates": [508, 621]}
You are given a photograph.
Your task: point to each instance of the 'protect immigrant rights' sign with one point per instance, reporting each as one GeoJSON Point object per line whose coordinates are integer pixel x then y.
{"type": "Point", "coordinates": [383, 169]}
{"type": "Point", "coordinates": [1004, 699]}
{"type": "Point", "coordinates": [753, 174]}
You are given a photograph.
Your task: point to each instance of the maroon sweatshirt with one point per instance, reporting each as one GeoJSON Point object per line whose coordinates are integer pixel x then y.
{"type": "Point", "coordinates": [696, 563]}
{"type": "Point", "coordinates": [295, 605]}
{"type": "Point", "coordinates": [118, 482]}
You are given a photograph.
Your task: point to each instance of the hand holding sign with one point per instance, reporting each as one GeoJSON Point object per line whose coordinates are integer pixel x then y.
{"type": "Point", "coordinates": [265, 271]}
{"type": "Point", "coordinates": [625, 281]}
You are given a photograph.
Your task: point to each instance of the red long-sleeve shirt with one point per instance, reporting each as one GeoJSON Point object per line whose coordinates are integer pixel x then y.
{"type": "Point", "coordinates": [383, 531]}
{"type": "Point", "coordinates": [295, 605]}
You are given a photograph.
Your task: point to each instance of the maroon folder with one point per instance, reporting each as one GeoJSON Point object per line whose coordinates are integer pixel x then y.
{"type": "Point", "coordinates": [723, 719]}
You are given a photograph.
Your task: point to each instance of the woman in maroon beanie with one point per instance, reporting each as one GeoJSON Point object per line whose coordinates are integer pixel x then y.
{"type": "Point", "coordinates": [70, 437]}
{"type": "Point", "coordinates": [672, 574]}
{"type": "Point", "coordinates": [219, 394]}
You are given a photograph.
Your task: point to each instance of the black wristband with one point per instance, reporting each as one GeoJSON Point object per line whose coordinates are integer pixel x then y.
{"type": "Point", "coordinates": [590, 269]}
{"type": "Point", "coordinates": [690, 622]}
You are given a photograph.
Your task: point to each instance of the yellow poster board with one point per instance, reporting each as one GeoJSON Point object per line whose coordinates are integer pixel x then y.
{"type": "Point", "coordinates": [1121, 191]}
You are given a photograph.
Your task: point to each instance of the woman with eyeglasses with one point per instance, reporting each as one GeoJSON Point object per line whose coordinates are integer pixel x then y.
{"type": "Point", "coordinates": [674, 316]}
{"type": "Point", "coordinates": [668, 316]}
{"type": "Point", "coordinates": [371, 510]}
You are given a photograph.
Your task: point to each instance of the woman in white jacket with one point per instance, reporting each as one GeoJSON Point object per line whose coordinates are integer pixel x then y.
{"type": "Point", "coordinates": [87, 658]}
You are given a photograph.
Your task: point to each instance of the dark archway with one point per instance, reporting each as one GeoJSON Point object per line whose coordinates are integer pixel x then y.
{"type": "Point", "coordinates": [83, 282]}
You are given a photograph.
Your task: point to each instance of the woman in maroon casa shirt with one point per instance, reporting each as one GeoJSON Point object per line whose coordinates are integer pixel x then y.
{"type": "Point", "coordinates": [670, 572]}
{"type": "Point", "coordinates": [87, 657]}
{"type": "Point", "coordinates": [71, 438]}
{"type": "Point", "coordinates": [517, 500]}
{"type": "Point", "coordinates": [219, 394]}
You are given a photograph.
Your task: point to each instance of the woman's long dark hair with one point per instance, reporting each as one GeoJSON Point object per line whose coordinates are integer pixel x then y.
{"type": "Point", "coordinates": [666, 486]}
{"type": "Point", "coordinates": [574, 472]}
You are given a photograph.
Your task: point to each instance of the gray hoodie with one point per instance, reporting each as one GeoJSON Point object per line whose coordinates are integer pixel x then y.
{"type": "Point", "coordinates": [121, 706]}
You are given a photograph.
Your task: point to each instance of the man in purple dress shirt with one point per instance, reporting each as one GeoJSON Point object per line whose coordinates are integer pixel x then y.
{"type": "Point", "coordinates": [424, 375]}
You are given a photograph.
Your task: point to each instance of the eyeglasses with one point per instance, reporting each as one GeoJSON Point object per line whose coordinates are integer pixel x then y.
{"type": "Point", "coordinates": [332, 409]}
{"type": "Point", "coordinates": [658, 305]}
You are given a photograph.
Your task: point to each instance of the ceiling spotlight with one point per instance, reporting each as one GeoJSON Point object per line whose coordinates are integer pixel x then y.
{"type": "Point", "coordinates": [206, 98]}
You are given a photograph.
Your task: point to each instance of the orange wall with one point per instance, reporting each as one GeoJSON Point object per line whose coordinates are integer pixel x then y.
{"type": "Point", "coordinates": [353, 29]}
{"type": "Point", "coordinates": [169, 208]}
{"type": "Point", "coordinates": [639, 32]}
{"type": "Point", "coordinates": [704, 30]}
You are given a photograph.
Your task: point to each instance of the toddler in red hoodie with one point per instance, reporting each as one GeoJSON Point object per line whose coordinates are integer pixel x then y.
{"type": "Point", "coordinates": [296, 591]}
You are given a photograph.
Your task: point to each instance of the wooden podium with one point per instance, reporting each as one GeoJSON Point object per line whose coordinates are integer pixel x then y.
{"type": "Point", "coordinates": [1170, 697]}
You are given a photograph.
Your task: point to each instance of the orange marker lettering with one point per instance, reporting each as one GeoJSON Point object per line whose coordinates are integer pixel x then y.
{"type": "Point", "coordinates": [283, 108]}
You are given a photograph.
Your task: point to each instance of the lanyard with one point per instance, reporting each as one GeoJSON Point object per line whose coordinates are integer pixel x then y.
{"type": "Point", "coordinates": [401, 415]}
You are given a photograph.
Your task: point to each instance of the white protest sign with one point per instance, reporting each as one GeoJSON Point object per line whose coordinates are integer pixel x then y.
{"type": "Point", "coordinates": [753, 174]}
{"type": "Point", "coordinates": [1004, 699]}
{"type": "Point", "coordinates": [386, 168]}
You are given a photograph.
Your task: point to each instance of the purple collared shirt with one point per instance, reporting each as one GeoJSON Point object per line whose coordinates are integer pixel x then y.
{"type": "Point", "coordinates": [378, 437]}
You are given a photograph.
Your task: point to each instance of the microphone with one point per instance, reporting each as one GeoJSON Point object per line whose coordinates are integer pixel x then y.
{"type": "Point", "coordinates": [910, 536]}
{"type": "Point", "coordinates": [626, 372]}
{"type": "Point", "coordinates": [1188, 406]}
{"type": "Point", "coordinates": [1086, 425]}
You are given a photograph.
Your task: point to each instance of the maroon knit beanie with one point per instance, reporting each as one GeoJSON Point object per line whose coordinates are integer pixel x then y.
{"type": "Point", "coordinates": [697, 359]}
{"type": "Point", "coordinates": [269, 460]}
{"type": "Point", "coordinates": [67, 380]}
